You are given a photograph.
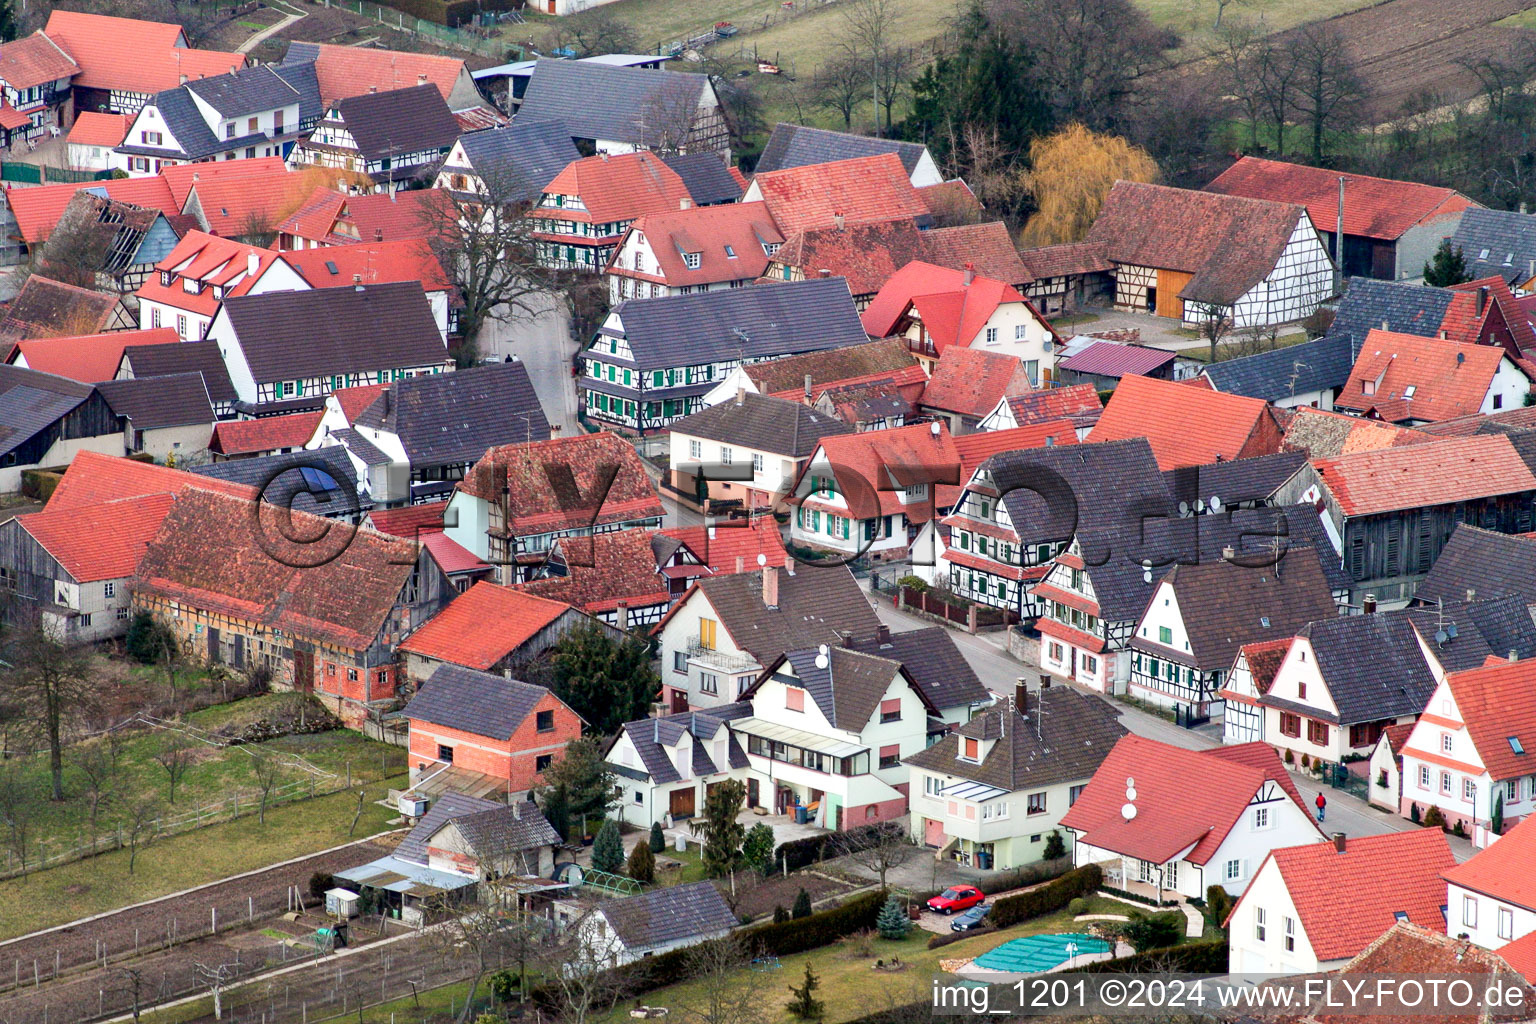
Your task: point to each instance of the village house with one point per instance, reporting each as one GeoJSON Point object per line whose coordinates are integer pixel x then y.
{"type": "Point", "coordinates": [305, 344]}
{"type": "Point", "coordinates": [1391, 228]}
{"type": "Point", "coordinates": [1290, 920]}
{"type": "Point", "coordinates": [45, 308]}
{"type": "Point", "coordinates": [884, 403]}
{"type": "Point", "coordinates": [1328, 435]}
{"type": "Point", "coordinates": [1188, 425]}
{"type": "Point", "coordinates": [1490, 898]}
{"type": "Point", "coordinates": [511, 164]}
{"type": "Point", "coordinates": [1224, 486]}
{"type": "Point", "coordinates": [664, 766]}
{"type": "Point", "coordinates": [1102, 362]}
{"type": "Point", "coordinates": [1481, 312]}
{"type": "Point", "coordinates": [1480, 563]}
{"type": "Point", "coordinates": [110, 245]}
{"type": "Point", "coordinates": [935, 308]}
{"type": "Point", "coordinates": [718, 638]}
{"type": "Point", "coordinates": [1310, 374]}
{"type": "Point", "coordinates": [608, 108]}
{"type": "Point", "coordinates": [1252, 674]}
{"type": "Point", "coordinates": [328, 218]}
{"type": "Point", "coordinates": [1385, 767]}
{"type": "Point", "coordinates": [518, 499]}
{"type": "Point", "coordinates": [249, 112]}
{"type": "Point", "coordinates": [183, 357]}
{"type": "Point", "coordinates": [989, 794]}
{"type": "Point", "coordinates": [729, 545]}
{"type": "Point", "coordinates": [1063, 278]}
{"type": "Point", "coordinates": [712, 449]}
{"type": "Point", "coordinates": [1077, 403]}
{"type": "Point", "coordinates": [87, 358]}
{"type": "Point", "coordinates": [319, 483]}
{"type": "Point", "coordinates": [1494, 243]}
{"type": "Point", "coordinates": [125, 61]}
{"type": "Point", "coordinates": [269, 435]}
{"type": "Point", "coordinates": [396, 138]}
{"type": "Point", "coordinates": [832, 195]}
{"type": "Point", "coordinates": [243, 603]}
{"type": "Point", "coordinates": [935, 664]}
{"type": "Point", "coordinates": [490, 725]}
{"type": "Point", "coordinates": [584, 211]}
{"type": "Point", "coordinates": [93, 137]}
{"type": "Point", "coordinates": [1155, 833]}
{"type": "Point", "coordinates": [35, 77]}
{"type": "Point", "coordinates": [619, 578]}
{"type": "Point", "coordinates": [1473, 751]}
{"type": "Point", "coordinates": [49, 421]}
{"type": "Point", "coordinates": [654, 360]}
{"type": "Point", "coordinates": [885, 359]}
{"type": "Point", "coordinates": [620, 931]}
{"type": "Point", "coordinates": [169, 419]}
{"type": "Point", "coordinates": [1198, 256]}
{"type": "Point", "coordinates": [37, 210]}
{"type": "Point", "coordinates": [694, 249]}
{"type": "Point", "coordinates": [966, 384]}
{"type": "Point", "coordinates": [796, 145]}
{"type": "Point", "coordinates": [1199, 616]}
{"type": "Point", "coordinates": [409, 259]}
{"type": "Point", "coordinates": [1402, 378]}
{"type": "Point", "coordinates": [344, 71]}
{"type": "Point", "coordinates": [191, 282]}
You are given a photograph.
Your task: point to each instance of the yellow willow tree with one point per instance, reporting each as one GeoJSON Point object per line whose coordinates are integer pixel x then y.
{"type": "Point", "coordinates": [1071, 171]}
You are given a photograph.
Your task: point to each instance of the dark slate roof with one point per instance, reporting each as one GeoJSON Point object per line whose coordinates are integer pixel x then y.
{"type": "Point", "coordinates": [1254, 479]}
{"type": "Point", "coordinates": [603, 101]}
{"type": "Point", "coordinates": [360, 446]}
{"type": "Point", "coordinates": [750, 323]}
{"type": "Point", "coordinates": [1280, 373]}
{"type": "Point", "coordinates": [848, 690]}
{"type": "Point", "coordinates": [651, 736]}
{"type": "Point", "coordinates": [1372, 666]}
{"type": "Point", "coordinates": [399, 121]}
{"type": "Point", "coordinates": [152, 402]}
{"type": "Point", "coordinates": [1406, 308]}
{"type": "Point", "coordinates": [505, 829]}
{"type": "Point", "coordinates": [521, 158]}
{"type": "Point", "coordinates": [1492, 564]}
{"type": "Point", "coordinates": [814, 605]}
{"type": "Point", "coordinates": [30, 401]}
{"type": "Point", "coordinates": [301, 75]}
{"type": "Point", "coordinates": [445, 808]}
{"type": "Point", "coordinates": [326, 331]}
{"type": "Point", "coordinates": [794, 145]}
{"type": "Point", "coordinates": [933, 660]}
{"type": "Point", "coordinates": [319, 481]}
{"type": "Point", "coordinates": [673, 914]}
{"type": "Point", "coordinates": [248, 91]}
{"type": "Point", "coordinates": [455, 417]}
{"type": "Point", "coordinates": [475, 702]}
{"type": "Point", "coordinates": [770, 424]}
{"type": "Point", "coordinates": [1106, 485]}
{"type": "Point", "coordinates": [1507, 238]}
{"type": "Point", "coordinates": [1075, 733]}
{"type": "Point", "coordinates": [187, 127]}
{"type": "Point", "coordinates": [188, 357]}
{"type": "Point", "coordinates": [1483, 629]}
{"type": "Point", "coordinates": [706, 177]}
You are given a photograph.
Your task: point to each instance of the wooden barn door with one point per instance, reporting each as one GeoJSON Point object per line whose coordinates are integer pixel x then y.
{"type": "Point", "coordinates": [1169, 284]}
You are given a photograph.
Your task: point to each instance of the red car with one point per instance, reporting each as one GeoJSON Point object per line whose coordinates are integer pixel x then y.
{"type": "Point", "coordinates": [956, 898]}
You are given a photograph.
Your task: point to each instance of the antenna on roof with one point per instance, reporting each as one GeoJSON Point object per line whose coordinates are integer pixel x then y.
{"type": "Point", "coordinates": [1128, 809]}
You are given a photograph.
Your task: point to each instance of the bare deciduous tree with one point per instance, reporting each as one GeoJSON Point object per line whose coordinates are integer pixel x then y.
{"type": "Point", "coordinates": [839, 86]}
{"type": "Point", "coordinates": [51, 680]}
{"type": "Point", "coordinates": [1330, 91]}
{"type": "Point", "coordinates": [267, 768]}
{"type": "Point", "coordinates": [868, 29]}
{"type": "Point", "coordinates": [98, 767]}
{"type": "Point", "coordinates": [576, 966]}
{"type": "Point", "coordinates": [1236, 50]}
{"type": "Point", "coordinates": [594, 31]}
{"type": "Point", "coordinates": [140, 824]}
{"type": "Point", "coordinates": [133, 981]}
{"type": "Point", "coordinates": [668, 117]}
{"type": "Point", "coordinates": [720, 988]}
{"type": "Point", "coordinates": [1278, 73]}
{"type": "Point", "coordinates": [175, 758]}
{"type": "Point", "coordinates": [1215, 322]}
{"type": "Point", "coordinates": [880, 849]}
{"type": "Point", "coordinates": [18, 811]}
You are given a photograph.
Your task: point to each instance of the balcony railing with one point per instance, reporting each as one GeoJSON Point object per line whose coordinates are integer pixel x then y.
{"type": "Point", "coordinates": [719, 659]}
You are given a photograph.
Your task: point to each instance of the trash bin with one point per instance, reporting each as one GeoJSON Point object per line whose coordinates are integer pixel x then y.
{"type": "Point", "coordinates": [800, 814]}
{"type": "Point", "coordinates": [984, 861]}
{"type": "Point", "coordinates": [680, 844]}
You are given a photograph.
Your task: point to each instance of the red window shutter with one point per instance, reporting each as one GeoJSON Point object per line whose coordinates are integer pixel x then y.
{"type": "Point", "coordinates": [891, 750]}
{"type": "Point", "coordinates": [890, 707]}
{"type": "Point", "coordinates": [794, 699]}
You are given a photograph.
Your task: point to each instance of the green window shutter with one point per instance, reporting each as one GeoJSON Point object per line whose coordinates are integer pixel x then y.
{"type": "Point", "coordinates": [800, 517]}
{"type": "Point", "coordinates": [815, 520]}
{"type": "Point", "coordinates": [846, 523]}
{"type": "Point", "coordinates": [656, 379]}
{"type": "Point", "coordinates": [965, 542]}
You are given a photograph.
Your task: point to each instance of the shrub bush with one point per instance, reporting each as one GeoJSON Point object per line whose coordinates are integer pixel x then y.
{"type": "Point", "coordinates": [1435, 818]}
{"type": "Point", "coordinates": [319, 882]}
{"type": "Point", "coordinates": [1048, 898]}
{"type": "Point", "coordinates": [38, 484]}
{"type": "Point", "coordinates": [1154, 931]}
{"type": "Point", "coordinates": [945, 938]}
{"type": "Point", "coordinates": [1077, 906]}
{"type": "Point", "coordinates": [1135, 896]}
{"type": "Point", "coordinates": [799, 853]}
{"type": "Point", "coordinates": [915, 583]}
{"type": "Point", "coordinates": [1205, 957]}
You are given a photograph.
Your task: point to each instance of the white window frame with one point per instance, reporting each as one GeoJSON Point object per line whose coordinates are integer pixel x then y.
{"type": "Point", "coordinates": [1258, 923]}
{"type": "Point", "coordinates": [1260, 818]}
{"type": "Point", "coordinates": [1506, 924]}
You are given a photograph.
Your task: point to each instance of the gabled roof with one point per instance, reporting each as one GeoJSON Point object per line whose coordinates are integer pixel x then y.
{"type": "Point", "coordinates": [101, 235]}
{"type": "Point", "coordinates": [409, 521]}
{"type": "Point", "coordinates": [1473, 559]}
{"type": "Point", "coordinates": [96, 129]}
{"type": "Point", "coordinates": [813, 196]}
{"type": "Point", "coordinates": [1498, 704]}
{"type": "Point", "coordinates": [45, 308]}
{"type": "Point", "coordinates": [1331, 434]}
{"type": "Point", "coordinates": [266, 434]}
{"type": "Point", "coordinates": [830, 366]}
{"type": "Point", "coordinates": [667, 916]}
{"type": "Point", "coordinates": [758, 322]}
{"type": "Point", "coordinates": [152, 403]}
{"type": "Point", "coordinates": [1278, 374]}
{"type": "Point", "coordinates": [1385, 876]}
{"type": "Point", "coordinates": [952, 309]}
{"type": "Point", "coordinates": [1079, 403]}
{"type": "Point", "coordinates": [345, 71]}
{"type": "Point", "coordinates": [869, 253]}
{"type": "Point", "coordinates": [455, 417]}
{"type": "Point", "coordinates": [399, 121]}
{"type": "Point", "coordinates": [611, 103]}
{"type": "Point", "coordinates": [1437, 472]}
{"type": "Point", "coordinates": [212, 261]}
{"type": "Point", "coordinates": [94, 479]}
{"type": "Point", "coordinates": [505, 830]}
{"type": "Point", "coordinates": [250, 574]}
{"type": "Point", "coordinates": [131, 55]}
{"type": "Point", "coordinates": [619, 188]}
{"type": "Point", "coordinates": [1066, 260]}
{"type": "Point", "coordinates": [708, 179]}
{"type": "Point", "coordinates": [293, 335]}
{"type": "Point", "coordinates": [319, 482]}
{"type": "Point", "coordinates": [794, 145]}
{"type": "Point", "coordinates": [87, 357]}
{"type": "Point", "coordinates": [1397, 306]}
{"type": "Point", "coordinates": [972, 382]}
{"type": "Point", "coordinates": [339, 266]}
{"type": "Point", "coordinates": [1506, 421]}
{"type": "Point", "coordinates": [180, 178]}
{"type": "Point", "coordinates": [727, 240]}
{"type": "Point", "coordinates": [872, 467]}
{"type": "Point", "coordinates": [932, 660]}
{"type": "Point", "coordinates": [1503, 870]}
{"type": "Point", "coordinates": [1187, 426]}
{"type": "Point", "coordinates": [1228, 243]}
{"type": "Point", "coordinates": [1494, 243]}
{"type": "Point", "coordinates": [35, 60]}
{"type": "Point", "coordinates": [1464, 321]}
{"type": "Point", "coordinates": [1031, 749]}
{"type": "Point", "coordinates": [230, 205]}
{"type": "Point", "coordinates": [719, 546]}
{"type": "Point", "coordinates": [517, 161]}
{"type": "Point", "coordinates": [99, 541]}
{"type": "Point", "coordinates": [1114, 359]}
{"type": "Point", "coordinates": [1378, 208]}
{"type": "Point", "coordinates": [1372, 665]}
{"type": "Point", "coordinates": [1417, 378]}
{"type": "Point", "coordinates": [848, 690]}
{"type": "Point", "coordinates": [444, 809]}
{"type": "Point", "coordinates": [1173, 816]}
{"type": "Point", "coordinates": [651, 736]}
{"type": "Point", "coordinates": [37, 210]}
{"type": "Point", "coordinates": [476, 702]}
{"type": "Point", "coordinates": [246, 92]}
{"type": "Point", "coordinates": [565, 483]}
{"type": "Point", "coordinates": [1264, 659]}
{"type": "Point", "coordinates": [777, 425]}
{"type": "Point", "coordinates": [604, 571]}
{"type": "Point", "coordinates": [1254, 479]}
{"type": "Point", "coordinates": [187, 357]}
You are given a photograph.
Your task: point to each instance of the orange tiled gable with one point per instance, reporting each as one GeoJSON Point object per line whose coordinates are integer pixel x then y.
{"type": "Point", "coordinates": [216, 262]}
{"type": "Point", "coordinates": [130, 55]}
{"type": "Point", "coordinates": [94, 129]}
{"type": "Point", "coordinates": [1502, 321]}
{"type": "Point", "coordinates": [37, 210]}
{"type": "Point", "coordinates": [1187, 426]}
{"type": "Point", "coordinates": [37, 60]}
{"type": "Point", "coordinates": [408, 259]}
{"type": "Point", "coordinates": [617, 188]}
{"type": "Point", "coordinates": [814, 196]}
{"type": "Point", "coordinates": [346, 71]}
{"type": "Point", "coordinates": [1496, 702]}
{"type": "Point", "coordinates": [952, 311]}
{"type": "Point", "coordinates": [1406, 377]}
{"type": "Point", "coordinates": [93, 479]}
{"type": "Point", "coordinates": [745, 539]}
{"type": "Point", "coordinates": [483, 625]}
{"type": "Point", "coordinates": [1421, 475]}
{"type": "Point", "coordinates": [728, 240]}
{"type": "Point", "coordinates": [102, 541]}
{"type": "Point", "coordinates": [973, 381]}
{"type": "Point", "coordinates": [1503, 870]}
{"type": "Point", "coordinates": [267, 434]}
{"type": "Point", "coordinates": [87, 358]}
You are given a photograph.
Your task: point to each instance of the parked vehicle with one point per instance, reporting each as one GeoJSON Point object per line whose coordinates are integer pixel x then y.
{"type": "Point", "coordinates": [725, 29]}
{"type": "Point", "coordinates": [973, 918]}
{"type": "Point", "coordinates": [956, 898]}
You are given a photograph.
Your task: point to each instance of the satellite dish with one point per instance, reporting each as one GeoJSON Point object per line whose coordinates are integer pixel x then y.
{"type": "Point", "coordinates": [935, 429]}
{"type": "Point", "coordinates": [1199, 504]}
{"type": "Point", "coordinates": [824, 650]}
{"type": "Point", "coordinates": [1215, 503]}
{"type": "Point", "coordinates": [1441, 636]}
{"type": "Point", "coordinates": [1183, 509]}
{"type": "Point", "coordinates": [762, 560]}
{"type": "Point", "coordinates": [1128, 812]}
{"type": "Point", "coordinates": [1146, 572]}
{"type": "Point", "coordinates": [821, 661]}
{"type": "Point", "coordinates": [1450, 631]}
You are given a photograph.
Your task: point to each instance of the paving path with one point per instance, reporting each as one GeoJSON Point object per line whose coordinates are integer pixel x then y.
{"type": "Point", "coordinates": [256, 40]}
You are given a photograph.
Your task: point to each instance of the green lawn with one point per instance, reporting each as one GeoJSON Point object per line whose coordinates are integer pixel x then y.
{"type": "Point", "coordinates": [58, 895]}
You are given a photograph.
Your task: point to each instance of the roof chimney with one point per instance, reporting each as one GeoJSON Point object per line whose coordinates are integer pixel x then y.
{"type": "Point", "coordinates": [685, 203]}
{"type": "Point", "coordinates": [554, 430]}
{"type": "Point", "coordinates": [771, 587]}
{"type": "Point", "coordinates": [196, 177]}
{"type": "Point", "coordinates": [373, 88]}
{"type": "Point", "coordinates": [807, 389]}
{"type": "Point", "coordinates": [378, 234]}
{"type": "Point", "coordinates": [970, 273]}
{"type": "Point", "coordinates": [1338, 842]}
{"type": "Point", "coordinates": [1471, 595]}
{"type": "Point", "coordinates": [252, 263]}
{"type": "Point", "coordinates": [1228, 553]}
{"type": "Point", "coordinates": [1368, 604]}
{"type": "Point", "coordinates": [1514, 655]}
{"type": "Point", "coordinates": [1482, 299]}
{"type": "Point", "coordinates": [1045, 680]}
{"type": "Point", "coordinates": [421, 79]}
{"type": "Point", "coordinates": [357, 278]}
{"type": "Point", "coordinates": [741, 563]}
{"type": "Point", "coordinates": [741, 393]}
{"type": "Point", "coordinates": [621, 614]}
{"type": "Point", "coordinates": [1443, 335]}
{"type": "Point", "coordinates": [823, 272]}
{"type": "Point", "coordinates": [883, 633]}
{"type": "Point", "coordinates": [182, 79]}
{"type": "Point", "coordinates": [517, 810]}
{"type": "Point", "coordinates": [1383, 325]}
{"type": "Point", "coordinates": [837, 220]}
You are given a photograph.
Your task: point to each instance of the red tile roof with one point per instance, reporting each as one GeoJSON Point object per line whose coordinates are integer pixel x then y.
{"type": "Point", "coordinates": [857, 460]}
{"type": "Point", "coordinates": [1503, 870]}
{"type": "Point", "coordinates": [1397, 736]}
{"type": "Point", "coordinates": [96, 129]}
{"type": "Point", "coordinates": [132, 55]}
{"type": "Point", "coordinates": [264, 435]}
{"type": "Point", "coordinates": [1171, 814]}
{"type": "Point", "coordinates": [972, 382]}
{"type": "Point", "coordinates": [1523, 418]}
{"type": "Point", "coordinates": [867, 188]}
{"type": "Point", "coordinates": [706, 231]}
{"type": "Point", "coordinates": [1330, 434]}
{"type": "Point", "coordinates": [409, 521]}
{"type": "Point", "coordinates": [355, 399]}
{"type": "Point", "coordinates": [98, 542]}
{"type": "Point", "coordinates": [346, 71]}
{"type": "Point", "coordinates": [483, 625]}
{"type": "Point", "coordinates": [617, 188]}
{"type": "Point", "coordinates": [558, 484]}
{"type": "Point", "coordinates": [181, 177]}
{"type": "Point", "coordinates": [978, 447]}
{"type": "Point", "coordinates": [1433, 473]}
{"type": "Point", "coordinates": [1187, 426]}
{"type": "Point", "coordinates": [733, 539]}
{"type": "Point", "coordinates": [1264, 660]}
{"type": "Point", "coordinates": [951, 200]}
{"type": "Point", "coordinates": [451, 556]}
{"type": "Point", "coordinates": [1079, 403]}
{"type": "Point", "coordinates": [215, 261]}
{"type": "Point", "coordinates": [868, 254]}
{"type": "Point", "coordinates": [229, 206]}
{"type": "Point", "coordinates": [1462, 323]}
{"type": "Point", "coordinates": [1067, 259]}
{"type": "Point", "coordinates": [93, 479]}
{"type": "Point", "coordinates": [1498, 702]}
{"type": "Point", "coordinates": [1373, 207]}
{"type": "Point", "coordinates": [1448, 379]}
{"type": "Point", "coordinates": [1521, 955]}
{"type": "Point", "coordinates": [328, 217]}
{"type": "Point", "coordinates": [88, 358]}
{"type": "Point", "coordinates": [1383, 875]}
{"type": "Point", "coordinates": [36, 60]}
{"type": "Point", "coordinates": [37, 210]}
{"type": "Point", "coordinates": [606, 570]}
{"type": "Point", "coordinates": [952, 312]}
{"type": "Point", "coordinates": [410, 259]}
{"type": "Point", "coordinates": [913, 376]}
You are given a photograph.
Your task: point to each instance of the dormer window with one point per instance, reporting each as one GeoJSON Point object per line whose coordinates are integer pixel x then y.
{"type": "Point", "coordinates": [730, 253]}
{"type": "Point", "coordinates": [692, 260]}
{"type": "Point", "coordinates": [1368, 387]}
{"type": "Point", "coordinates": [191, 285]}
{"type": "Point", "coordinates": [970, 749]}
{"type": "Point", "coordinates": [769, 248]}
{"type": "Point", "coordinates": [165, 278]}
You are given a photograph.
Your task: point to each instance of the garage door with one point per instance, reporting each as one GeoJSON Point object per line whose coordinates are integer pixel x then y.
{"type": "Point", "coordinates": [681, 803]}
{"type": "Point", "coordinates": [1169, 284]}
{"type": "Point", "coordinates": [933, 832]}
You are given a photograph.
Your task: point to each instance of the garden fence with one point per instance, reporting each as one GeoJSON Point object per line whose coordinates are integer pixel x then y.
{"type": "Point", "coordinates": [486, 42]}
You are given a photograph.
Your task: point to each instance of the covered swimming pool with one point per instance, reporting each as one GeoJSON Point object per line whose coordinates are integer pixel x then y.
{"type": "Point", "coordinates": [1034, 953]}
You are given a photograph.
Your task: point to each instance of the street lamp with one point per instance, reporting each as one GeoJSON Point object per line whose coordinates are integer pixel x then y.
{"type": "Point", "coordinates": [1071, 953]}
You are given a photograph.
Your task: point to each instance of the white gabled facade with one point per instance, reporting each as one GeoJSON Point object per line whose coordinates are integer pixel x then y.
{"type": "Point", "coordinates": [1301, 279]}
{"type": "Point", "coordinates": [1266, 933]}
{"type": "Point", "coordinates": [702, 666]}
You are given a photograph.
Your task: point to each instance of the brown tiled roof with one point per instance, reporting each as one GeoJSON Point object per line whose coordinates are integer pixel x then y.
{"type": "Point", "coordinates": [1080, 403]}
{"type": "Point", "coordinates": [251, 573]}
{"type": "Point", "coordinates": [1434, 473]}
{"type": "Point", "coordinates": [863, 189]}
{"type": "Point", "coordinates": [45, 308]}
{"type": "Point", "coordinates": [564, 483]}
{"type": "Point", "coordinates": [707, 232]}
{"type": "Point", "coordinates": [988, 247]}
{"type": "Point", "coordinates": [972, 382]}
{"type": "Point", "coordinates": [868, 254]}
{"type": "Point", "coordinates": [771, 424]}
{"type": "Point", "coordinates": [1228, 243]}
{"type": "Point", "coordinates": [827, 367]}
{"type": "Point", "coordinates": [1065, 259]}
{"type": "Point", "coordinates": [1328, 435]}
{"type": "Point", "coordinates": [603, 571]}
{"type": "Point", "coordinates": [933, 661]}
{"type": "Point", "coordinates": [264, 435]}
{"type": "Point", "coordinates": [1264, 660]}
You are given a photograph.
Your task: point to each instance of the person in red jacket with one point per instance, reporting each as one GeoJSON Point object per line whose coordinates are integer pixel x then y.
{"type": "Point", "coordinates": [1322, 806]}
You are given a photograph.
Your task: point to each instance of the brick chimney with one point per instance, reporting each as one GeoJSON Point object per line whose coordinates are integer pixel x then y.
{"type": "Point", "coordinates": [771, 587]}
{"type": "Point", "coordinates": [1482, 299]}
{"type": "Point", "coordinates": [741, 564]}
{"type": "Point", "coordinates": [837, 220]}
{"type": "Point", "coordinates": [807, 389]}
{"type": "Point", "coordinates": [1368, 604]}
{"type": "Point", "coordinates": [621, 615]}
{"type": "Point", "coordinates": [970, 273]}
{"type": "Point", "coordinates": [421, 79]}
{"type": "Point", "coordinates": [1338, 842]}
{"type": "Point", "coordinates": [823, 272]}
{"type": "Point", "coordinates": [883, 633]}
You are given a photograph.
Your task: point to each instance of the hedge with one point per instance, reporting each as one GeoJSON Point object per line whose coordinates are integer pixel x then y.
{"type": "Point", "coordinates": [1047, 899]}
{"type": "Point", "coordinates": [451, 13]}
{"type": "Point", "coordinates": [1209, 956]}
{"type": "Point", "coordinates": [38, 484]}
{"type": "Point", "coordinates": [798, 853]}
{"type": "Point", "coordinates": [1136, 897]}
